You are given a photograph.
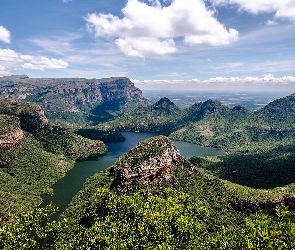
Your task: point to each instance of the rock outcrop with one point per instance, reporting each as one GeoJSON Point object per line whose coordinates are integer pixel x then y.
{"type": "Point", "coordinates": [15, 118]}
{"type": "Point", "coordinates": [9, 140]}
{"type": "Point", "coordinates": [49, 93]}
{"type": "Point", "coordinates": [148, 165]}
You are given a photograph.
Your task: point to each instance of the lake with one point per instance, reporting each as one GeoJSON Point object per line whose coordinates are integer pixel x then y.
{"type": "Point", "coordinates": [67, 187]}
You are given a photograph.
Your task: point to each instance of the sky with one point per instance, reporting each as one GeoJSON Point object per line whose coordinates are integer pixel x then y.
{"type": "Point", "coordinates": [159, 44]}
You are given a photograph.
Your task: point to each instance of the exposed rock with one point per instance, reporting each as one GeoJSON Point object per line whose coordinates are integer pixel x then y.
{"type": "Point", "coordinates": [11, 139]}
{"type": "Point", "coordinates": [207, 133]}
{"type": "Point", "coordinates": [33, 121]}
{"type": "Point", "coordinates": [150, 164]}
{"type": "Point", "coordinates": [49, 93]}
{"type": "Point", "coordinates": [15, 118]}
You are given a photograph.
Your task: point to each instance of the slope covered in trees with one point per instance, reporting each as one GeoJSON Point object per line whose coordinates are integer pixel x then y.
{"type": "Point", "coordinates": [34, 155]}
{"type": "Point", "coordinates": [153, 198]}
{"type": "Point", "coordinates": [194, 211]}
{"type": "Point", "coordinates": [71, 101]}
{"type": "Point", "coordinates": [260, 144]}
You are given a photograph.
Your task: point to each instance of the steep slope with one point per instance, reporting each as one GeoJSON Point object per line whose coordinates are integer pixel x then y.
{"type": "Point", "coordinates": [260, 144]}
{"type": "Point", "coordinates": [72, 99]}
{"type": "Point", "coordinates": [155, 165]}
{"type": "Point", "coordinates": [150, 164]}
{"type": "Point", "coordinates": [162, 117]}
{"type": "Point", "coordinates": [279, 113]}
{"type": "Point", "coordinates": [199, 212]}
{"type": "Point", "coordinates": [34, 155]}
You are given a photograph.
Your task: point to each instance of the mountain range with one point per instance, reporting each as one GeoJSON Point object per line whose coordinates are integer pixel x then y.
{"type": "Point", "coordinates": [152, 197]}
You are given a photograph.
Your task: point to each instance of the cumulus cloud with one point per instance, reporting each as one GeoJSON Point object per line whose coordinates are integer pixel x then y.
{"type": "Point", "coordinates": [8, 55]}
{"type": "Point", "coordinates": [220, 83]}
{"type": "Point", "coordinates": [141, 46]}
{"type": "Point", "coordinates": [151, 29]}
{"type": "Point", "coordinates": [281, 8]}
{"type": "Point", "coordinates": [10, 59]}
{"type": "Point", "coordinates": [268, 78]}
{"type": "Point", "coordinates": [271, 22]}
{"type": "Point", "coordinates": [43, 63]}
{"type": "Point", "coordinates": [4, 35]}
{"type": "Point", "coordinates": [3, 70]}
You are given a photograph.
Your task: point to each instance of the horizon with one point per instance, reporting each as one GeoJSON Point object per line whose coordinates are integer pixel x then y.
{"type": "Point", "coordinates": [224, 43]}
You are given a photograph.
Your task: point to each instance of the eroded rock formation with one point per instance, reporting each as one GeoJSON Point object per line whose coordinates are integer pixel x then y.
{"type": "Point", "coordinates": [148, 165]}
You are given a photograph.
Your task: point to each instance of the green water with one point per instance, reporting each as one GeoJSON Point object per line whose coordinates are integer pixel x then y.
{"type": "Point", "coordinates": [66, 188]}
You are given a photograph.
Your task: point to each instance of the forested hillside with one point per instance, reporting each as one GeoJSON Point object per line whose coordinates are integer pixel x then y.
{"type": "Point", "coordinates": [152, 198]}
{"type": "Point", "coordinates": [71, 101]}
{"type": "Point", "coordinates": [34, 155]}
{"type": "Point", "coordinates": [260, 143]}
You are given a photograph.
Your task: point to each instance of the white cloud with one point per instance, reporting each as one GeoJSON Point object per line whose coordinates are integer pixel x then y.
{"type": "Point", "coordinates": [8, 55]}
{"type": "Point", "coordinates": [9, 59]}
{"type": "Point", "coordinates": [43, 63]}
{"type": "Point", "coordinates": [281, 8]}
{"type": "Point", "coordinates": [3, 70]}
{"type": "Point", "coordinates": [66, 1]}
{"type": "Point", "coordinates": [221, 83]}
{"type": "Point", "coordinates": [4, 35]}
{"type": "Point", "coordinates": [271, 22]}
{"type": "Point", "coordinates": [141, 46]}
{"type": "Point", "coordinates": [151, 29]}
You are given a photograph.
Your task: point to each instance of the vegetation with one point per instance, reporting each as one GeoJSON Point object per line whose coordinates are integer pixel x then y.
{"type": "Point", "coordinates": [74, 102]}
{"type": "Point", "coordinates": [244, 200]}
{"type": "Point", "coordinates": [30, 163]}
{"type": "Point", "coordinates": [137, 221]}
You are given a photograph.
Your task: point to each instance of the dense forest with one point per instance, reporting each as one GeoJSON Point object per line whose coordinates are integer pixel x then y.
{"type": "Point", "coordinates": [152, 197]}
{"type": "Point", "coordinates": [34, 154]}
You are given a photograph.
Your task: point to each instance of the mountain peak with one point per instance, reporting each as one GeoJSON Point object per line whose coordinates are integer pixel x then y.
{"type": "Point", "coordinates": [151, 163]}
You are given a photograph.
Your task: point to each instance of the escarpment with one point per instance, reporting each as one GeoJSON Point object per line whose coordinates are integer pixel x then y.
{"type": "Point", "coordinates": [17, 118]}
{"type": "Point", "coordinates": [49, 93]}
{"type": "Point", "coordinates": [10, 139]}
{"type": "Point", "coordinates": [150, 164]}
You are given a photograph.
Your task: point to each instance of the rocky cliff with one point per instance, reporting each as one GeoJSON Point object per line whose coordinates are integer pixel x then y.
{"type": "Point", "coordinates": [73, 100]}
{"type": "Point", "coordinates": [15, 118]}
{"type": "Point", "coordinates": [150, 164]}
{"type": "Point", "coordinates": [51, 92]}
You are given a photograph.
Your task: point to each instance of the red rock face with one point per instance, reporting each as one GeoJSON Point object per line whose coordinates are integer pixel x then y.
{"type": "Point", "coordinates": [10, 140]}
{"type": "Point", "coordinates": [99, 91]}
{"type": "Point", "coordinates": [158, 159]}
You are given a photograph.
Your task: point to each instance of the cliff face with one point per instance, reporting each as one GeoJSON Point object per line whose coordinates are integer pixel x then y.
{"type": "Point", "coordinates": [16, 118]}
{"type": "Point", "coordinates": [9, 140]}
{"type": "Point", "coordinates": [51, 92]}
{"type": "Point", "coordinates": [150, 164]}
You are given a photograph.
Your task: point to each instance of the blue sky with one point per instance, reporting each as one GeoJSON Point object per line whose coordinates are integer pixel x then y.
{"type": "Point", "coordinates": [159, 44]}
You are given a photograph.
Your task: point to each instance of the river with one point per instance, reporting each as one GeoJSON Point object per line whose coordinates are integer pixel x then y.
{"type": "Point", "coordinates": [67, 187]}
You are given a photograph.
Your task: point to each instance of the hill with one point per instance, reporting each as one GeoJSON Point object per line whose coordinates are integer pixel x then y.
{"type": "Point", "coordinates": [69, 101]}
{"type": "Point", "coordinates": [259, 144]}
{"type": "Point", "coordinates": [139, 190]}
{"type": "Point", "coordinates": [153, 198]}
{"type": "Point", "coordinates": [34, 155]}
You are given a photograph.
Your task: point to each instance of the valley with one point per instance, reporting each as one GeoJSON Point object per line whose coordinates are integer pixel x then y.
{"type": "Point", "coordinates": [214, 201]}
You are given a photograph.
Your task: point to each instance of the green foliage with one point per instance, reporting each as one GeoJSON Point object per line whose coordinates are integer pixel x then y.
{"type": "Point", "coordinates": [148, 148]}
{"type": "Point", "coordinates": [8, 124]}
{"type": "Point", "coordinates": [106, 135]}
{"type": "Point", "coordinates": [139, 221]}
{"type": "Point", "coordinates": [163, 117]}
{"type": "Point", "coordinates": [31, 163]}
{"type": "Point", "coordinates": [28, 230]}
{"type": "Point", "coordinates": [61, 141]}
{"type": "Point", "coordinates": [68, 101]}
{"type": "Point", "coordinates": [262, 231]}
